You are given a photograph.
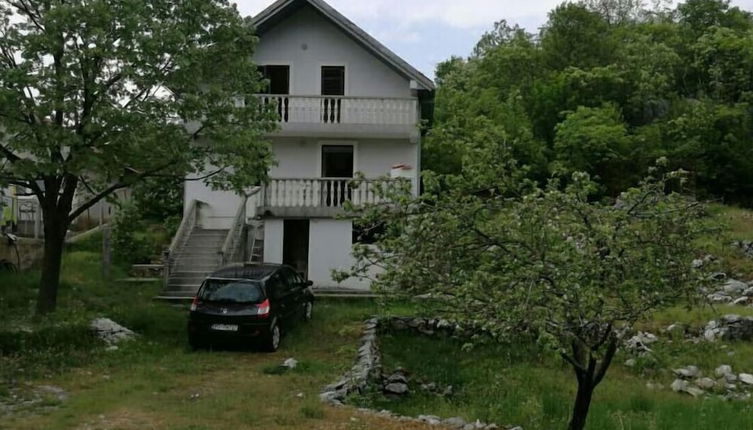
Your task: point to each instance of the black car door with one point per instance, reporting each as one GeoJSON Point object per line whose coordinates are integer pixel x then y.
{"type": "Point", "coordinates": [296, 290]}
{"type": "Point", "coordinates": [279, 292]}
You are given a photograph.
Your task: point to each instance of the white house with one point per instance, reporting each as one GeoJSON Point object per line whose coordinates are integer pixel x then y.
{"type": "Point", "coordinates": [346, 104]}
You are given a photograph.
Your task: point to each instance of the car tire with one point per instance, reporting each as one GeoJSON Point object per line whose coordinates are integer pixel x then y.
{"type": "Point", "coordinates": [308, 310]}
{"type": "Point", "coordinates": [272, 340]}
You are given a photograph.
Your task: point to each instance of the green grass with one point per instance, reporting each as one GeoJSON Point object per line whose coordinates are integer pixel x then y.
{"type": "Point", "coordinates": [153, 382]}
{"type": "Point", "coordinates": [157, 382]}
{"type": "Point", "coordinates": [521, 385]}
{"type": "Point", "coordinates": [729, 223]}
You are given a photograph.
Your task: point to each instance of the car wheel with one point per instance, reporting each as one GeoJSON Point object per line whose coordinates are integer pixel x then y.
{"type": "Point", "coordinates": [273, 338]}
{"type": "Point", "coordinates": [308, 310]}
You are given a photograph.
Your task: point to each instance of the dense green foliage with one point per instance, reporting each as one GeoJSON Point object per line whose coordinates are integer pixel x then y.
{"type": "Point", "coordinates": [498, 252]}
{"type": "Point", "coordinates": [608, 86]}
{"type": "Point", "coordinates": [96, 96]}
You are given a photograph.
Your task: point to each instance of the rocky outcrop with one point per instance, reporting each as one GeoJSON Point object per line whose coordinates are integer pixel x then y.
{"type": "Point", "coordinates": [733, 292]}
{"type": "Point", "coordinates": [110, 331]}
{"type": "Point", "coordinates": [729, 327]}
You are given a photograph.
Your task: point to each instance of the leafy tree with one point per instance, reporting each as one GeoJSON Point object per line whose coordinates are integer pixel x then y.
{"type": "Point", "coordinates": [511, 258]}
{"type": "Point", "coordinates": [595, 140]}
{"type": "Point", "coordinates": [652, 65]}
{"type": "Point", "coordinates": [101, 94]}
{"type": "Point", "coordinates": [575, 36]}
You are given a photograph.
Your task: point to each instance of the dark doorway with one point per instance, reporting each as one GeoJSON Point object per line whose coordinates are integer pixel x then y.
{"type": "Point", "coordinates": [278, 78]}
{"type": "Point", "coordinates": [295, 244]}
{"type": "Point", "coordinates": [337, 161]}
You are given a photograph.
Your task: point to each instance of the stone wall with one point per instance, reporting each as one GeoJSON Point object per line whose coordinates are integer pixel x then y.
{"type": "Point", "coordinates": [368, 370]}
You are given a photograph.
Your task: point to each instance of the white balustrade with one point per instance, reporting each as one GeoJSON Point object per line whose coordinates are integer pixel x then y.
{"type": "Point", "coordinates": [322, 192]}
{"type": "Point", "coordinates": [343, 110]}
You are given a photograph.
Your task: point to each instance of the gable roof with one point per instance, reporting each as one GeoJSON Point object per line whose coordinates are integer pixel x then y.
{"type": "Point", "coordinates": [281, 9]}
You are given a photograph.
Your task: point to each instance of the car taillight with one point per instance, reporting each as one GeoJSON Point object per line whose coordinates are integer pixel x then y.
{"type": "Point", "coordinates": [195, 303]}
{"type": "Point", "coordinates": [263, 309]}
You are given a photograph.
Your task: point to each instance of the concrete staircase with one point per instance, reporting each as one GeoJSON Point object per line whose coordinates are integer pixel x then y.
{"type": "Point", "coordinates": [194, 261]}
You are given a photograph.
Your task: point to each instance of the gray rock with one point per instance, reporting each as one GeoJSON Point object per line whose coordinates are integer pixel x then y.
{"type": "Point", "coordinates": [729, 327]}
{"type": "Point", "coordinates": [429, 419]}
{"type": "Point", "coordinates": [397, 388]}
{"type": "Point", "coordinates": [741, 301]}
{"type": "Point", "coordinates": [290, 363]}
{"type": "Point", "coordinates": [639, 343]}
{"type": "Point", "coordinates": [748, 292]}
{"type": "Point", "coordinates": [705, 383]}
{"type": "Point", "coordinates": [679, 385]}
{"type": "Point", "coordinates": [110, 331]}
{"type": "Point", "coordinates": [454, 422]}
{"type": "Point", "coordinates": [688, 372]}
{"type": "Point", "coordinates": [630, 362]}
{"type": "Point", "coordinates": [734, 287]}
{"type": "Point", "coordinates": [723, 370]}
{"type": "Point", "coordinates": [719, 298]}
{"type": "Point", "coordinates": [746, 378]}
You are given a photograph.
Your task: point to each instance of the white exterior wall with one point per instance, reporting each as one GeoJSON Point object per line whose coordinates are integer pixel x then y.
{"type": "Point", "coordinates": [301, 158]}
{"type": "Point", "coordinates": [221, 206]}
{"type": "Point", "coordinates": [330, 243]}
{"type": "Point", "coordinates": [326, 45]}
{"type": "Point", "coordinates": [273, 232]}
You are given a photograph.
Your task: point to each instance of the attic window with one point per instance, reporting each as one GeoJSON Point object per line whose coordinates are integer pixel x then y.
{"type": "Point", "coordinates": [333, 80]}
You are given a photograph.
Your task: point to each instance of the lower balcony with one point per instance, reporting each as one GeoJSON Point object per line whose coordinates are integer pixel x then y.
{"type": "Point", "coordinates": [317, 197]}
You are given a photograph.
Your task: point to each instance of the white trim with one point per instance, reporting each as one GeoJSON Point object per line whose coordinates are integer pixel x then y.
{"type": "Point", "coordinates": [346, 89]}
{"type": "Point", "coordinates": [281, 63]}
{"type": "Point", "coordinates": [322, 143]}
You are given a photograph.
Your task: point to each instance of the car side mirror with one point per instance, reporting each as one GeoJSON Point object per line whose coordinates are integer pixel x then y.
{"type": "Point", "coordinates": [309, 283]}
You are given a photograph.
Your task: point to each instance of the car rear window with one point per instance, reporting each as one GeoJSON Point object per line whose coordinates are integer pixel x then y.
{"type": "Point", "coordinates": [231, 291]}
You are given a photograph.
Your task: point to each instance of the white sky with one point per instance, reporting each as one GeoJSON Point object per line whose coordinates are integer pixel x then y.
{"type": "Point", "coordinates": [425, 32]}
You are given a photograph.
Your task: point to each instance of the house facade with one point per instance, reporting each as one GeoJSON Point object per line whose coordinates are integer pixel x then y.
{"type": "Point", "coordinates": [346, 106]}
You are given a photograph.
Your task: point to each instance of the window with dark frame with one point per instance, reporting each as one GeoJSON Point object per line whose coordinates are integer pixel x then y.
{"type": "Point", "coordinates": [277, 77]}
{"type": "Point", "coordinates": [333, 80]}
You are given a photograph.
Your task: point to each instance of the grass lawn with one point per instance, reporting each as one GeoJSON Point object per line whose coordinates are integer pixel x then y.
{"type": "Point", "coordinates": [521, 384]}
{"type": "Point", "coordinates": [156, 382]}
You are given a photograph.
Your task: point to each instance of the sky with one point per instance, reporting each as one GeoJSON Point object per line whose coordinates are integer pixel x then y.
{"type": "Point", "coordinates": [426, 32]}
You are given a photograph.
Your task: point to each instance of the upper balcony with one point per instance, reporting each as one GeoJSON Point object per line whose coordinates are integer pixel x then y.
{"type": "Point", "coordinates": [343, 116]}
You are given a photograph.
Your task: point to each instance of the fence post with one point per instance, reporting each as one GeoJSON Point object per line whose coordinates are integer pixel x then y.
{"type": "Point", "coordinates": [106, 251]}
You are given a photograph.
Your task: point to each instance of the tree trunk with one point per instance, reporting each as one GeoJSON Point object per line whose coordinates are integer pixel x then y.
{"type": "Point", "coordinates": [55, 227]}
{"type": "Point", "coordinates": [582, 403]}
{"type": "Point", "coordinates": [590, 373]}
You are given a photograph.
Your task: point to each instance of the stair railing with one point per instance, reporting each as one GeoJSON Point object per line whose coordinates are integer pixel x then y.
{"type": "Point", "coordinates": [233, 241]}
{"type": "Point", "coordinates": [187, 224]}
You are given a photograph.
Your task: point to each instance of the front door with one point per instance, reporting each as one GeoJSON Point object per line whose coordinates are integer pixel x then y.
{"type": "Point", "coordinates": [295, 244]}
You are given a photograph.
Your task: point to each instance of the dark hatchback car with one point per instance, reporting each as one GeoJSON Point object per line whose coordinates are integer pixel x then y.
{"type": "Point", "coordinates": [251, 303]}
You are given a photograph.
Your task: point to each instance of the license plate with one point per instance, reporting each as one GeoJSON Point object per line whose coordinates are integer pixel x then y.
{"type": "Point", "coordinates": [225, 327]}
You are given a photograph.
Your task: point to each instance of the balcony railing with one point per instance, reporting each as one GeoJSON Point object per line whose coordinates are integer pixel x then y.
{"type": "Point", "coordinates": [323, 192]}
{"type": "Point", "coordinates": [343, 110]}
